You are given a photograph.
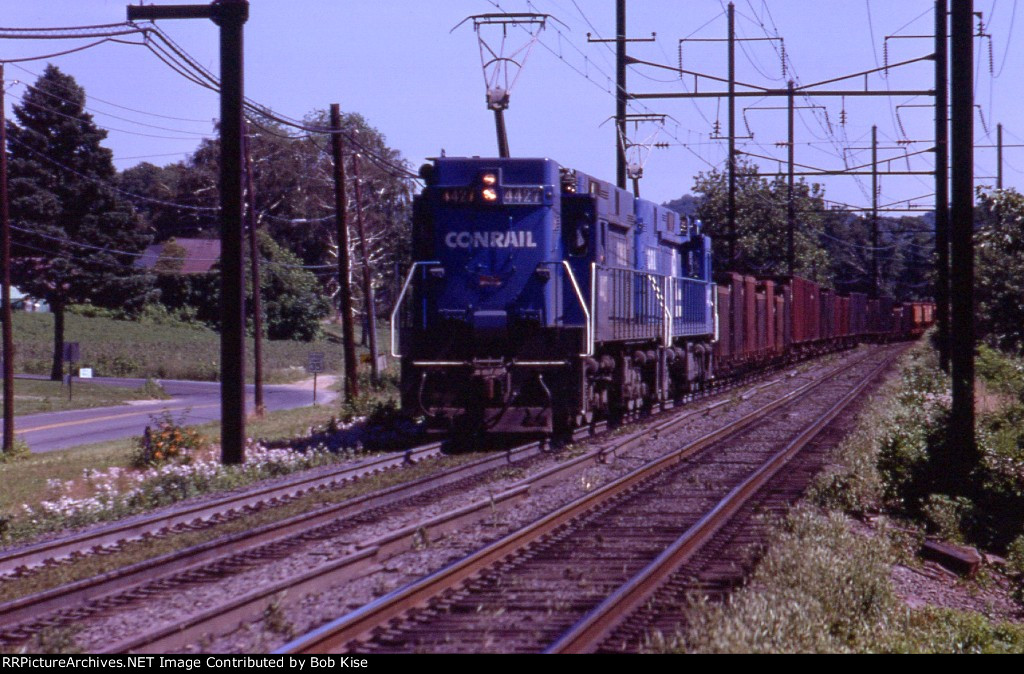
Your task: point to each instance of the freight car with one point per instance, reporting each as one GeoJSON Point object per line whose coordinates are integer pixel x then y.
{"type": "Point", "coordinates": [542, 297]}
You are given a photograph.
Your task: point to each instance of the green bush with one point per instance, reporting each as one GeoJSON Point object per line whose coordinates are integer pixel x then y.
{"type": "Point", "coordinates": [938, 630]}
{"type": "Point", "coordinates": [819, 589]}
{"type": "Point", "coordinates": [948, 517]}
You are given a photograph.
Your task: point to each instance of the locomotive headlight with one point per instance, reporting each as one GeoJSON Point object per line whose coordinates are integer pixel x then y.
{"type": "Point", "coordinates": [490, 194]}
{"type": "Point", "coordinates": [489, 179]}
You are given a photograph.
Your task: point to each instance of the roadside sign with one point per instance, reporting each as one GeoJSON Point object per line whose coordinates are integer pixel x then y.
{"type": "Point", "coordinates": [315, 362]}
{"type": "Point", "coordinates": [85, 373]}
{"type": "Point", "coordinates": [71, 352]}
{"type": "Point", "coordinates": [315, 365]}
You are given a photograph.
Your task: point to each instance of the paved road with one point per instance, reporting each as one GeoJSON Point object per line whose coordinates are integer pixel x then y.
{"type": "Point", "coordinates": [198, 402]}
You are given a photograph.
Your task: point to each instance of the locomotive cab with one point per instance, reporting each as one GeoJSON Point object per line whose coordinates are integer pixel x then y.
{"type": "Point", "coordinates": [493, 322]}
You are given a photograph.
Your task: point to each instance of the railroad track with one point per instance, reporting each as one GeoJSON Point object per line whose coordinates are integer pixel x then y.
{"type": "Point", "coordinates": [22, 560]}
{"type": "Point", "coordinates": [372, 554]}
{"type": "Point", "coordinates": [567, 581]}
{"type": "Point", "coordinates": [22, 618]}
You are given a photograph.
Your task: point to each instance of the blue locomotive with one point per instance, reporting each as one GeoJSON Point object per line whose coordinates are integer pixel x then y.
{"type": "Point", "coordinates": [541, 298]}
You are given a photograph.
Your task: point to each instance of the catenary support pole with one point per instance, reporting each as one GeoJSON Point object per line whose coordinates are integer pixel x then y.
{"type": "Point", "coordinates": [791, 185]}
{"type": "Point", "coordinates": [732, 137]}
{"type": "Point", "coordinates": [874, 213]}
{"type": "Point", "coordinates": [620, 93]}
{"type": "Point", "coordinates": [962, 447]}
{"type": "Point", "coordinates": [942, 180]}
{"type": "Point", "coordinates": [999, 156]}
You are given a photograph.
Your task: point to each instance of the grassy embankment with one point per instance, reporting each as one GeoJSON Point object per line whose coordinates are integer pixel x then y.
{"type": "Point", "coordinates": [121, 348]}
{"type": "Point", "coordinates": [114, 348]}
{"type": "Point", "coordinates": [824, 585]}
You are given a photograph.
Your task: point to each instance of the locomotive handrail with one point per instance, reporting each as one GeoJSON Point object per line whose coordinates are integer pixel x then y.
{"type": "Point", "coordinates": [583, 305]}
{"type": "Point", "coordinates": [668, 295]}
{"type": "Point", "coordinates": [714, 311]}
{"type": "Point", "coordinates": [398, 306]}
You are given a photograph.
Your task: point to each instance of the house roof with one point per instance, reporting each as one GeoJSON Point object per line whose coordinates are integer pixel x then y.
{"type": "Point", "coordinates": [200, 255]}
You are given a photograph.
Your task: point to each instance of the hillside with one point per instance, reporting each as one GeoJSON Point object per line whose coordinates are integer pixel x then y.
{"type": "Point", "coordinates": [115, 348]}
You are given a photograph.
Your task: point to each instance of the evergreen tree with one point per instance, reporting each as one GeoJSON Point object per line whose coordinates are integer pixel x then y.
{"type": "Point", "coordinates": [75, 237]}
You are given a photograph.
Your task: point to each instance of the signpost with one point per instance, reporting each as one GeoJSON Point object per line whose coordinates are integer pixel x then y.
{"type": "Point", "coordinates": [72, 354]}
{"type": "Point", "coordinates": [315, 365]}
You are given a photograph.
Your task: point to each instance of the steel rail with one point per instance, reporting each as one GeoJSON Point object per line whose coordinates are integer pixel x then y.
{"type": "Point", "coordinates": [359, 624]}
{"type": "Point", "coordinates": [106, 587]}
{"type": "Point", "coordinates": [588, 634]}
{"type": "Point", "coordinates": [18, 559]}
{"type": "Point", "coordinates": [371, 554]}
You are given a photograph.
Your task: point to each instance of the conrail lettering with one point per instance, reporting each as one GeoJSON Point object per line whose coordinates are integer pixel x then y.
{"type": "Point", "coordinates": [490, 240]}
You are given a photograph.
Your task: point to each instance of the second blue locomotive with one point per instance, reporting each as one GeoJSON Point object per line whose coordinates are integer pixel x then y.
{"type": "Point", "coordinates": [541, 297]}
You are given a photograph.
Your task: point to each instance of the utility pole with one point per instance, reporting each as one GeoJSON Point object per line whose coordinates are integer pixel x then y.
{"type": "Point", "coordinates": [5, 251]}
{"type": "Point", "coordinates": [621, 95]}
{"type": "Point", "coordinates": [791, 207]}
{"type": "Point", "coordinates": [942, 179]}
{"type": "Point", "coordinates": [732, 135]}
{"type": "Point", "coordinates": [368, 294]}
{"type": "Point", "coordinates": [620, 91]}
{"type": "Point", "coordinates": [874, 212]}
{"type": "Point", "coordinates": [962, 447]}
{"type": "Point", "coordinates": [230, 16]}
{"type": "Point", "coordinates": [254, 262]}
{"type": "Point", "coordinates": [344, 286]}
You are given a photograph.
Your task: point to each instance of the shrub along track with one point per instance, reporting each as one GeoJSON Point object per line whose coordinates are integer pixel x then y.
{"type": "Point", "coordinates": [565, 582]}
{"type": "Point", "coordinates": [21, 561]}
{"type": "Point", "coordinates": [23, 618]}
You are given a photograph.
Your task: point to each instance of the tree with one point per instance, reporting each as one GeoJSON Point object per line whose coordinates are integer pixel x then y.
{"type": "Point", "coordinates": [999, 282]}
{"type": "Point", "coordinates": [761, 223]}
{"type": "Point", "coordinates": [76, 237]}
{"type": "Point", "coordinates": [292, 301]}
{"type": "Point", "coordinates": [172, 201]}
{"type": "Point", "coordinates": [293, 175]}
{"type": "Point", "coordinates": [293, 304]}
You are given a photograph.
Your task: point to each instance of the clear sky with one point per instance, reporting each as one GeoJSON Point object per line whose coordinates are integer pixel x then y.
{"type": "Point", "coordinates": [397, 63]}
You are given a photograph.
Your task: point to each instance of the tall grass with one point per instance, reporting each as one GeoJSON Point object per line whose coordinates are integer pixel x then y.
{"type": "Point", "coordinates": [115, 348]}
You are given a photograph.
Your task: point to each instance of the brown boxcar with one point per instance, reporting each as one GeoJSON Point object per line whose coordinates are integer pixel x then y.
{"type": "Point", "coordinates": [770, 337]}
{"type": "Point", "coordinates": [844, 316]}
{"type": "Point", "coordinates": [780, 321]}
{"type": "Point", "coordinates": [806, 311]}
{"type": "Point", "coordinates": [858, 314]}
{"type": "Point", "coordinates": [750, 333]}
{"type": "Point", "coordinates": [828, 314]}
